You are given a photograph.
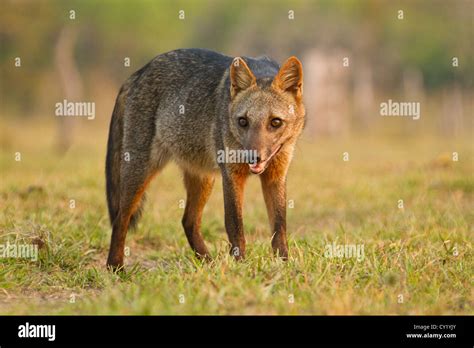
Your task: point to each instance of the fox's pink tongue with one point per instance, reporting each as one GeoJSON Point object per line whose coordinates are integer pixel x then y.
{"type": "Point", "coordinates": [257, 168]}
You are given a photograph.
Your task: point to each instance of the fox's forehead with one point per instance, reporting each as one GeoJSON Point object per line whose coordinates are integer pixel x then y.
{"type": "Point", "coordinates": [263, 103]}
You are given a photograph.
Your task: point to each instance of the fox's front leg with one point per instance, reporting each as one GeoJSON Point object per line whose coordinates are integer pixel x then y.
{"type": "Point", "coordinates": [274, 192]}
{"type": "Point", "coordinates": [233, 181]}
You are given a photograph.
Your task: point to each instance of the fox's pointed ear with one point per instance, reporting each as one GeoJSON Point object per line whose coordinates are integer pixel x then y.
{"type": "Point", "coordinates": [241, 77]}
{"type": "Point", "coordinates": [290, 77]}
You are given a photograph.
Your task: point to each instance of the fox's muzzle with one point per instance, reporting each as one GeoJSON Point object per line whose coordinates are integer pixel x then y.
{"type": "Point", "coordinates": [260, 165]}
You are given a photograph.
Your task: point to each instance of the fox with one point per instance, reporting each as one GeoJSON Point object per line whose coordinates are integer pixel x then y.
{"type": "Point", "coordinates": [187, 105]}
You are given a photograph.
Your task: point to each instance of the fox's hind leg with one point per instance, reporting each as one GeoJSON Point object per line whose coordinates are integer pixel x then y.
{"type": "Point", "coordinates": [135, 177]}
{"type": "Point", "coordinates": [198, 190]}
{"type": "Point", "coordinates": [133, 186]}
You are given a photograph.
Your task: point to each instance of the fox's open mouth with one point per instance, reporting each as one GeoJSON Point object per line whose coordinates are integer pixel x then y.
{"type": "Point", "coordinates": [259, 168]}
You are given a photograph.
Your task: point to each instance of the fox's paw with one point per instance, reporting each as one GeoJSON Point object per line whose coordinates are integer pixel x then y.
{"type": "Point", "coordinates": [115, 266]}
{"type": "Point", "coordinates": [206, 257]}
{"type": "Point", "coordinates": [280, 250]}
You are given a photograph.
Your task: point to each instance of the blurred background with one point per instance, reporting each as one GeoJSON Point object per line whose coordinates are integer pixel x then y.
{"type": "Point", "coordinates": [356, 54]}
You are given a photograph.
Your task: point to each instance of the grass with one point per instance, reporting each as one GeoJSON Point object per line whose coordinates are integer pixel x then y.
{"type": "Point", "coordinates": [418, 260]}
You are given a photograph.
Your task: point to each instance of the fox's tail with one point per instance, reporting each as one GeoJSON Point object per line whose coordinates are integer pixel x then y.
{"type": "Point", "coordinates": [114, 168]}
{"type": "Point", "coordinates": [113, 160]}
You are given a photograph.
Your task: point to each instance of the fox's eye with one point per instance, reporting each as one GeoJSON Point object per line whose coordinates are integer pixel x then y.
{"type": "Point", "coordinates": [276, 122]}
{"type": "Point", "coordinates": [243, 122]}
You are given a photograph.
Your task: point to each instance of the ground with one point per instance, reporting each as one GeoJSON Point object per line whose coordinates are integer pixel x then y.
{"type": "Point", "coordinates": [417, 253]}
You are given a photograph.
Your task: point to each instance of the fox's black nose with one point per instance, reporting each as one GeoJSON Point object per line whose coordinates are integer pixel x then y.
{"type": "Point", "coordinates": [258, 159]}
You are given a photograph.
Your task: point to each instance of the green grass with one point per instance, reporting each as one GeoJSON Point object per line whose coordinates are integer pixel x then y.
{"type": "Point", "coordinates": [422, 252]}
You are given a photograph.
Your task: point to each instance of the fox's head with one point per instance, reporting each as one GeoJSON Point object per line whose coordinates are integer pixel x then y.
{"type": "Point", "coordinates": [268, 113]}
